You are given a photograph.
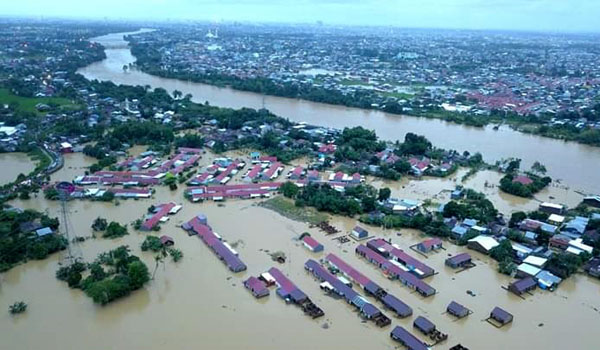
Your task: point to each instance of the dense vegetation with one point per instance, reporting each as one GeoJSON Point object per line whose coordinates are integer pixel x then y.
{"type": "Point", "coordinates": [524, 190]}
{"type": "Point", "coordinates": [355, 200]}
{"type": "Point", "coordinates": [473, 206]}
{"type": "Point", "coordinates": [19, 244]}
{"type": "Point", "coordinates": [112, 275]}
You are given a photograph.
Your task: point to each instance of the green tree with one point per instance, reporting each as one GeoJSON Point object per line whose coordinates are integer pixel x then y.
{"type": "Point", "coordinates": [384, 194]}
{"type": "Point", "coordinates": [289, 189]}
{"type": "Point", "coordinates": [138, 274]}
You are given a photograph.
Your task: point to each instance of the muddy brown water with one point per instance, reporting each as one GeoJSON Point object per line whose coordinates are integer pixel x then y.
{"type": "Point", "coordinates": [198, 303]}
{"type": "Point", "coordinates": [576, 165]}
{"type": "Point", "coordinates": [13, 164]}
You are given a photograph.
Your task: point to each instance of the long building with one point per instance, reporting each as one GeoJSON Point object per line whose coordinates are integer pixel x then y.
{"type": "Point", "coordinates": [367, 309]}
{"type": "Point", "coordinates": [161, 211]}
{"type": "Point", "coordinates": [289, 291]}
{"type": "Point", "coordinates": [199, 227]}
{"type": "Point", "coordinates": [407, 339]}
{"type": "Point", "coordinates": [389, 301]}
{"type": "Point", "coordinates": [231, 191]}
{"type": "Point", "coordinates": [413, 265]}
{"type": "Point", "coordinates": [394, 271]}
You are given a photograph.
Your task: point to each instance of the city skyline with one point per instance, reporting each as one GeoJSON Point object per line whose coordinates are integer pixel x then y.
{"type": "Point", "coordinates": [530, 15]}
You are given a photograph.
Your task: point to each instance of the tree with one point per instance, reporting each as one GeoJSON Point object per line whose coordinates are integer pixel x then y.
{"type": "Point", "coordinates": [17, 308]}
{"type": "Point", "coordinates": [384, 194]}
{"type": "Point", "coordinates": [138, 274]}
{"type": "Point", "coordinates": [516, 218]}
{"type": "Point", "coordinates": [538, 168]}
{"type": "Point", "coordinates": [176, 254]}
{"type": "Point", "coordinates": [100, 224]}
{"type": "Point", "coordinates": [177, 94]}
{"type": "Point", "coordinates": [114, 230]}
{"type": "Point", "coordinates": [289, 189]}
{"type": "Point", "coordinates": [513, 165]}
{"type": "Point", "coordinates": [502, 251]}
{"type": "Point", "coordinates": [158, 259]}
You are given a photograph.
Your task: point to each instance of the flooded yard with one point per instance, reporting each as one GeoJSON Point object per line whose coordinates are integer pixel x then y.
{"type": "Point", "coordinates": [13, 164]}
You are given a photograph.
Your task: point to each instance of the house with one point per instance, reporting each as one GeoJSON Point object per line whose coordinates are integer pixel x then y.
{"type": "Point", "coordinates": [576, 246]}
{"type": "Point", "coordinates": [459, 231]}
{"type": "Point", "coordinates": [547, 280]}
{"type": "Point", "coordinates": [424, 325]}
{"type": "Point", "coordinates": [312, 244]}
{"type": "Point", "coordinates": [593, 267]}
{"type": "Point", "coordinates": [536, 261]}
{"type": "Point", "coordinates": [66, 147]}
{"type": "Point", "coordinates": [551, 208]}
{"type": "Point", "coordinates": [592, 201]}
{"type": "Point", "coordinates": [457, 194]}
{"type": "Point", "coordinates": [576, 227]}
{"type": "Point", "coordinates": [459, 260]}
{"type": "Point", "coordinates": [408, 340]}
{"type": "Point", "coordinates": [257, 287]}
{"type": "Point", "coordinates": [166, 240]}
{"type": "Point", "coordinates": [429, 245]}
{"type": "Point", "coordinates": [520, 251]}
{"type": "Point", "coordinates": [501, 316]}
{"type": "Point", "coordinates": [523, 180]}
{"type": "Point", "coordinates": [526, 270]}
{"type": "Point", "coordinates": [482, 244]}
{"type": "Point", "coordinates": [44, 231]}
{"type": "Point", "coordinates": [359, 232]}
{"type": "Point", "coordinates": [457, 310]}
{"type": "Point", "coordinates": [559, 241]}
{"type": "Point", "coordinates": [522, 286]}
{"type": "Point", "coordinates": [556, 219]}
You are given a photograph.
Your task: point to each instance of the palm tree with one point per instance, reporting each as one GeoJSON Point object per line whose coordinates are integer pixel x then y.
{"type": "Point", "coordinates": [177, 94]}
{"type": "Point", "coordinates": [159, 259]}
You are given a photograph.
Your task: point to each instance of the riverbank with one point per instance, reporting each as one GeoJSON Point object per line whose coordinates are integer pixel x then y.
{"type": "Point", "coordinates": [559, 157]}
{"type": "Point", "coordinates": [146, 62]}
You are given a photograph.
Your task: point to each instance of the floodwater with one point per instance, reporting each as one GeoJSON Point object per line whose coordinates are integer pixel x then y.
{"type": "Point", "coordinates": [576, 165]}
{"type": "Point", "coordinates": [198, 303]}
{"type": "Point", "coordinates": [13, 164]}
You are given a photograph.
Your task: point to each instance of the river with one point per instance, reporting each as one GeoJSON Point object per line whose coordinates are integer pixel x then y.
{"type": "Point", "coordinates": [574, 164]}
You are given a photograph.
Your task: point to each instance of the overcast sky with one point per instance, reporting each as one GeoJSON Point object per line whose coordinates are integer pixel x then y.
{"type": "Point", "coordinates": [544, 15]}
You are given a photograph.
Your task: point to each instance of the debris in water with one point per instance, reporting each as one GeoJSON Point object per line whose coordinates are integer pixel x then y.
{"type": "Point", "coordinates": [278, 256]}
{"type": "Point", "coordinates": [540, 325]}
{"type": "Point", "coordinates": [325, 325]}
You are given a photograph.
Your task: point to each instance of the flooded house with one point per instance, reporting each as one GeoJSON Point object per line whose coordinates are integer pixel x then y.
{"type": "Point", "coordinates": [457, 310]}
{"type": "Point", "coordinates": [430, 244]}
{"type": "Point", "coordinates": [424, 325]}
{"type": "Point", "coordinates": [359, 232]}
{"type": "Point", "coordinates": [482, 244]}
{"type": "Point", "coordinates": [523, 285]}
{"type": "Point", "coordinates": [501, 316]}
{"type": "Point", "coordinates": [459, 260]}
{"type": "Point", "coordinates": [256, 287]}
{"type": "Point", "coordinates": [407, 339]}
{"type": "Point", "coordinates": [312, 244]}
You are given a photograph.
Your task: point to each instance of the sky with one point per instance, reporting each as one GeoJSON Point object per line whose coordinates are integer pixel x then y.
{"type": "Point", "coordinates": [527, 15]}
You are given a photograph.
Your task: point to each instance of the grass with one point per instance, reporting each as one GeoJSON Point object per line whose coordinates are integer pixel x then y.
{"type": "Point", "coordinates": [286, 207]}
{"type": "Point", "coordinates": [27, 104]}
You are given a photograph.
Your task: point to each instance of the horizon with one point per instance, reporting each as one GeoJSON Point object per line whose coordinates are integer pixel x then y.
{"type": "Point", "coordinates": [538, 16]}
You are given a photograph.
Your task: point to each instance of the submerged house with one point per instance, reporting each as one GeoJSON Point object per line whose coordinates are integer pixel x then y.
{"type": "Point", "coordinates": [501, 316]}
{"type": "Point", "coordinates": [457, 310]}
{"type": "Point", "coordinates": [257, 287]}
{"type": "Point", "coordinates": [522, 286]}
{"type": "Point", "coordinates": [429, 245]}
{"type": "Point", "coordinates": [459, 260]}
{"type": "Point", "coordinates": [359, 232]}
{"type": "Point", "coordinates": [407, 339]}
{"type": "Point", "coordinates": [312, 244]}
{"type": "Point", "coordinates": [424, 325]}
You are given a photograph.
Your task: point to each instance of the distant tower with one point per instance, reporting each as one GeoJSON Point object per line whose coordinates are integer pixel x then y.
{"type": "Point", "coordinates": [73, 250]}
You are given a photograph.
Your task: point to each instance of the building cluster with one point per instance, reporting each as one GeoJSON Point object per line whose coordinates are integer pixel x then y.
{"type": "Point", "coordinates": [462, 72]}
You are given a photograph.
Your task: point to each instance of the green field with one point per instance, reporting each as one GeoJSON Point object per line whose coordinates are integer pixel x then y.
{"type": "Point", "coordinates": [286, 207]}
{"type": "Point", "coordinates": [27, 104]}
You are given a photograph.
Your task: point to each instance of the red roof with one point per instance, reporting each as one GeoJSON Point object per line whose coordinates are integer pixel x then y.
{"type": "Point", "coordinates": [311, 242]}
{"type": "Point", "coordinates": [348, 270]}
{"type": "Point", "coordinates": [522, 179]}
{"type": "Point", "coordinates": [164, 210]}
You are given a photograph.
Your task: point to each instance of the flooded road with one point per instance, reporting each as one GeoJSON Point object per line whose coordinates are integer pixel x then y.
{"type": "Point", "coordinates": [576, 165]}
{"type": "Point", "coordinates": [199, 303]}
{"type": "Point", "coordinates": [13, 164]}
